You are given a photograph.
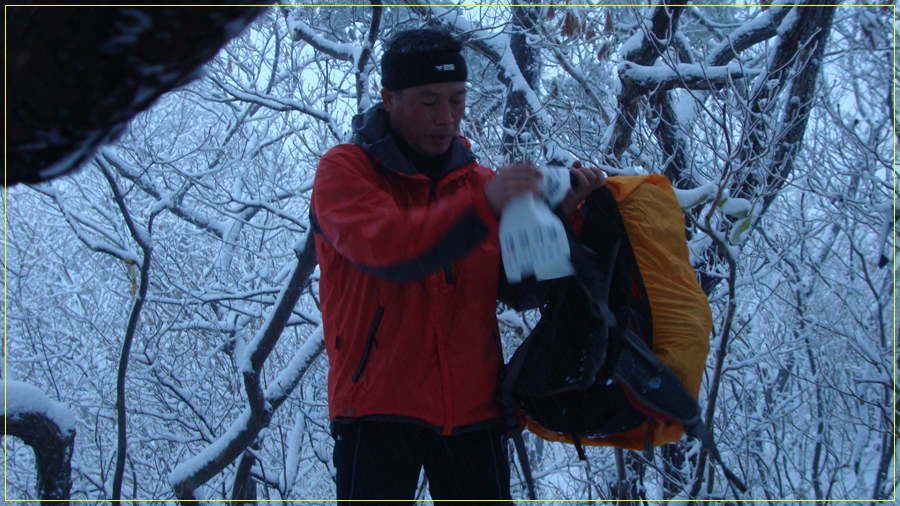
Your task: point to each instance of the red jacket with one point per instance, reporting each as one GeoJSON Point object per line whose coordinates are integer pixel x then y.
{"type": "Point", "coordinates": [408, 285]}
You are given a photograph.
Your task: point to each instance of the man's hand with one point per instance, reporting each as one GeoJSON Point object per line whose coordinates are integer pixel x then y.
{"type": "Point", "coordinates": [588, 179]}
{"type": "Point", "coordinates": [512, 181]}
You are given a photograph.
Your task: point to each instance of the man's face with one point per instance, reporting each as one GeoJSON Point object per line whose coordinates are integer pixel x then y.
{"type": "Point", "coordinates": [427, 117]}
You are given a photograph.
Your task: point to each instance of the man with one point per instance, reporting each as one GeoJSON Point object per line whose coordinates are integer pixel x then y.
{"type": "Point", "coordinates": [406, 224]}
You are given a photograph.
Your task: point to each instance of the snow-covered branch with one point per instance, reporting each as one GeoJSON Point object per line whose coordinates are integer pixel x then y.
{"type": "Point", "coordinates": [165, 198]}
{"type": "Point", "coordinates": [683, 75]}
{"type": "Point", "coordinates": [191, 474]}
{"type": "Point", "coordinates": [49, 429]}
{"type": "Point", "coordinates": [758, 29]}
{"type": "Point", "coordinates": [279, 104]}
{"type": "Point", "coordinates": [300, 31]}
{"type": "Point", "coordinates": [262, 404]}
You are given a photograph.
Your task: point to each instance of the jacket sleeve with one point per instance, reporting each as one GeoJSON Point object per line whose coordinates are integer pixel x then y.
{"type": "Point", "coordinates": [354, 210]}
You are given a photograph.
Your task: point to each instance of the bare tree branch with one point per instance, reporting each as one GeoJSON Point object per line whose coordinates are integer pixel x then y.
{"type": "Point", "coordinates": [193, 473]}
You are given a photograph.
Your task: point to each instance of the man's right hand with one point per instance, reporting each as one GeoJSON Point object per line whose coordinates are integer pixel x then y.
{"type": "Point", "coordinates": [512, 181]}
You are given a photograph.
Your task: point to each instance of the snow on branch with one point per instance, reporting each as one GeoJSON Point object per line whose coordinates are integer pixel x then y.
{"type": "Point", "coordinates": [683, 75]}
{"type": "Point", "coordinates": [289, 377]}
{"type": "Point", "coordinates": [280, 104]}
{"type": "Point", "coordinates": [643, 49]}
{"type": "Point", "coordinates": [23, 399]}
{"type": "Point", "coordinates": [756, 30]}
{"type": "Point", "coordinates": [301, 31]}
{"type": "Point", "coordinates": [81, 224]}
{"type": "Point", "coordinates": [191, 474]}
{"type": "Point", "coordinates": [649, 41]}
{"type": "Point", "coordinates": [164, 198]}
{"type": "Point", "coordinates": [258, 349]}
{"type": "Point", "coordinates": [693, 197]}
{"type": "Point", "coordinates": [275, 103]}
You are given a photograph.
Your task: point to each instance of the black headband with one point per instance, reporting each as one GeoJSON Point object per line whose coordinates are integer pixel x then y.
{"type": "Point", "coordinates": [406, 70]}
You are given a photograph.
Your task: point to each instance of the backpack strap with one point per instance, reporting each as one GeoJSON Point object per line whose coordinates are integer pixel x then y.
{"type": "Point", "coordinates": [668, 405]}
{"type": "Point", "coordinates": [509, 412]}
{"type": "Point", "coordinates": [523, 460]}
{"type": "Point", "coordinates": [579, 449]}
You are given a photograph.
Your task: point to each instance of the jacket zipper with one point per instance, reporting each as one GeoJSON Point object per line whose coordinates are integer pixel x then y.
{"type": "Point", "coordinates": [370, 341]}
{"type": "Point", "coordinates": [432, 198]}
{"type": "Point", "coordinates": [432, 192]}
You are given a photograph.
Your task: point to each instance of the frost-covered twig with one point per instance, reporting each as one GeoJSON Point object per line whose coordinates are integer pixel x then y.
{"type": "Point", "coordinates": [280, 104]}
{"type": "Point", "coordinates": [164, 199]}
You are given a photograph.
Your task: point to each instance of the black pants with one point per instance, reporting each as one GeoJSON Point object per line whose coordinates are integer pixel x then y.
{"type": "Point", "coordinates": [382, 460]}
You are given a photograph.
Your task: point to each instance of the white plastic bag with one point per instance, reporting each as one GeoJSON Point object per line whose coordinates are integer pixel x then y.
{"type": "Point", "coordinates": [533, 241]}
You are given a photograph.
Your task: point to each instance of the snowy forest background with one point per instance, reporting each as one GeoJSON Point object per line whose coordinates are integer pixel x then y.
{"type": "Point", "coordinates": [183, 248]}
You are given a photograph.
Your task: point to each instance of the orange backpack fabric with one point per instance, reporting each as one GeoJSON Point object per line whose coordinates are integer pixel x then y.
{"type": "Point", "coordinates": [682, 319]}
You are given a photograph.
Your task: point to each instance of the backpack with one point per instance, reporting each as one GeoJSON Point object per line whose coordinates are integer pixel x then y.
{"type": "Point", "coordinates": [618, 355]}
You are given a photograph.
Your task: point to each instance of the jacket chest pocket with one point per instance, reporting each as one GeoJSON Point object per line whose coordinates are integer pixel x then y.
{"type": "Point", "coordinates": [370, 342]}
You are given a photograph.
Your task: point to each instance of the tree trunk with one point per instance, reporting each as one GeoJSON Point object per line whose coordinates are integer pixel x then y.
{"type": "Point", "coordinates": [244, 489]}
{"type": "Point", "coordinates": [517, 115]}
{"type": "Point", "coordinates": [662, 26]}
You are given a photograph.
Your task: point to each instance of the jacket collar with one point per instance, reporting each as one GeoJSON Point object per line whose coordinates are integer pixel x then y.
{"type": "Point", "coordinates": [371, 131]}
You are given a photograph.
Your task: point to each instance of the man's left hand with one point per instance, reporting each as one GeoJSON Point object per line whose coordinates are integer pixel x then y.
{"type": "Point", "coordinates": [588, 179]}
